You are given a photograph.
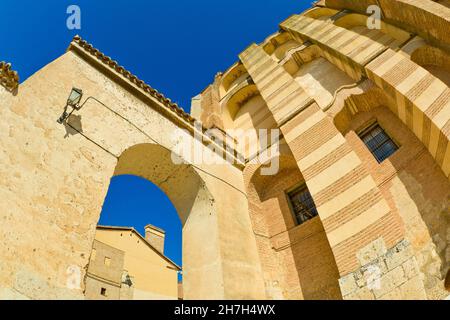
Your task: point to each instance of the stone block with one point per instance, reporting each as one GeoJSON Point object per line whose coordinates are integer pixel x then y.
{"type": "Point", "coordinates": [388, 282]}
{"type": "Point", "coordinates": [348, 284]}
{"type": "Point", "coordinates": [397, 256]}
{"type": "Point", "coordinates": [411, 268]}
{"type": "Point", "coordinates": [360, 294]}
{"type": "Point", "coordinates": [371, 252]}
{"type": "Point", "coordinates": [413, 289]}
{"type": "Point", "coordinates": [395, 294]}
{"type": "Point", "coordinates": [11, 294]}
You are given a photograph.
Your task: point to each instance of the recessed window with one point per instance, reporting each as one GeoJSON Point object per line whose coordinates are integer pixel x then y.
{"type": "Point", "coordinates": [302, 204]}
{"type": "Point", "coordinates": [378, 142]}
{"type": "Point", "coordinates": [103, 292]}
{"type": "Point", "coordinates": [107, 261]}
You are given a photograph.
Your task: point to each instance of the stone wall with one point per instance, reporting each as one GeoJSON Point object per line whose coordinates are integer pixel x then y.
{"type": "Point", "coordinates": [55, 178]}
{"type": "Point", "coordinates": [297, 260]}
{"type": "Point", "coordinates": [415, 188]}
{"type": "Point", "coordinates": [384, 274]}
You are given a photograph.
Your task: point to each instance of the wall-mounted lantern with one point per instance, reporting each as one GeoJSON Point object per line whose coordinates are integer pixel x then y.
{"type": "Point", "coordinates": [74, 102]}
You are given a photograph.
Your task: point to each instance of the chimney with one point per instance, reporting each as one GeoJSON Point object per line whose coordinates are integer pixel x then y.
{"type": "Point", "coordinates": [155, 236]}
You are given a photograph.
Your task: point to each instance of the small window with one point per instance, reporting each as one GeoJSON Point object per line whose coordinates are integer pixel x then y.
{"type": "Point", "coordinates": [103, 292]}
{"type": "Point", "coordinates": [378, 142]}
{"type": "Point", "coordinates": [107, 261]}
{"type": "Point", "coordinates": [302, 204]}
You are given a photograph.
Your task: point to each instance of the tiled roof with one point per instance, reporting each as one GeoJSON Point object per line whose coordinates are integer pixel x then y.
{"type": "Point", "coordinates": [131, 229]}
{"type": "Point", "coordinates": [132, 78]}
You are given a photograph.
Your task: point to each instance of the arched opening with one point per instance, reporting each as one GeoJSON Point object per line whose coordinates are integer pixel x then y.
{"type": "Point", "coordinates": [249, 113]}
{"type": "Point", "coordinates": [388, 35]}
{"type": "Point", "coordinates": [195, 208]}
{"type": "Point", "coordinates": [141, 227]}
{"type": "Point", "coordinates": [435, 60]}
{"type": "Point", "coordinates": [296, 257]}
{"type": "Point", "coordinates": [316, 75]}
{"type": "Point", "coordinates": [278, 44]}
{"type": "Point", "coordinates": [409, 178]}
{"type": "Point", "coordinates": [232, 78]}
{"type": "Point", "coordinates": [320, 13]}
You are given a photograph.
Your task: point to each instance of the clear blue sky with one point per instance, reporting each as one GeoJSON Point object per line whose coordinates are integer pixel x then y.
{"type": "Point", "coordinates": [177, 46]}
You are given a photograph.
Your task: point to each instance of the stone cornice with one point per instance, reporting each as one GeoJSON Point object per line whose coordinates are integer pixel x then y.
{"type": "Point", "coordinates": [134, 80]}
{"type": "Point", "coordinates": [8, 77]}
{"type": "Point", "coordinates": [164, 105]}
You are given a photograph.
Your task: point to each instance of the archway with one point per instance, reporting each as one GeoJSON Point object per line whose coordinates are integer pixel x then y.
{"type": "Point", "coordinates": [434, 60]}
{"type": "Point", "coordinates": [194, 205]}
{"type": "Point", "coordinates": [411, 180]}
{"type": "Point", "coordinates": [138, 219]}
{"type": "Point", "coordinates": [296, 257]}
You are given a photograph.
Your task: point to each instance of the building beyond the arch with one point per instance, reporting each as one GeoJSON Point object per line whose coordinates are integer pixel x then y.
{"type": "Point", "coordinates": [358, 208]}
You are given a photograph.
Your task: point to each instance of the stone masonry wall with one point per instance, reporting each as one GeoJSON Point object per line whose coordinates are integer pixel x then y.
{"type": "Point", "coordinates": [384, 274]}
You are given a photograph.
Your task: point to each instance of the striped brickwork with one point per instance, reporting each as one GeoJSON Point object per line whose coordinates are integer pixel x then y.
{"type": "Point", "coordinates": [351, 207]}
{"type": "Point", "coordinates": [347, 49]}
{"type": "Point", "coordinates": [422, 101]}
{"type": "Point", "coordinates": [427, 18]}
{"type": "Point", "coordinates": [357, 212]}
{"type": "Point", "coordinates": [284, 96]}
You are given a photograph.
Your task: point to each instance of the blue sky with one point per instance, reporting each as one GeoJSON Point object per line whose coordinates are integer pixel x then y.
{"type": "Point", "coordinates": [176, 46]}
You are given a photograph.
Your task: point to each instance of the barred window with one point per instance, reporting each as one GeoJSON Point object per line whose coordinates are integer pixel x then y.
{"type": "Point", "coordinates": [302, 204]}
{"type": "Point", "coordinates": [378, 142]}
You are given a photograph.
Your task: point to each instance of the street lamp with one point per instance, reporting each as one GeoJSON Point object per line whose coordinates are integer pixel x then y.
{"type": "Point", "coordinates": [74, 102]}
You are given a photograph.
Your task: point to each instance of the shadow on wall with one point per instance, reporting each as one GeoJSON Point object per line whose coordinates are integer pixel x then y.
{"type": "Point", "coordinates": [427, 215]}
{"type": "Point", "coordinates": [301, 253]}
{"type": "Point", "coordinates": [73, 126]}
{"type": "Point", "coordinates": [416, 187]}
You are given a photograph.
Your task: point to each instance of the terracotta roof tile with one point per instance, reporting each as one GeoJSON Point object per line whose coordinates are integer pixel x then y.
{"type": "Point", "coordinates": [132, 78]}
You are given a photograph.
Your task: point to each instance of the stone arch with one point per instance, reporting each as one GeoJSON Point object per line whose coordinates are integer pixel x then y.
{"type": "Point", "coordinates": [320, 13]}
{"type": "Point", "coordinates": [319, 77]}
{"type": "Point", "coordinates": [297, 261]}
{"type": "Point", "coordinates": [232, 78]}
{"type": "Point", "coordinates": [121, 123]}
{"type": "Point", "coordinates": [388, 34]}
{"type": "Point", "coordinates": [410, 15]}
{"type": "Point", "coordinates": [193, 201]}
{"type": "Point", "coordinates": [181, 183]}
{"type": "Point", "coordinates": [410, 179]}
{"type": "Point", "coordinates": [279, 44]}
{"type": "Point", "coordinates": [247, 113]}
{"type": "Point", "coordinates": [435, 60]}
{"type": "Point", "coordinates": [423, 108]}
{"type": "Point", "coordinates": [297, 57]}
{"type": "Point", "coordinates": [421, 98]}
{"type": "Point", "coordinates": [355, 104]}
{"type": "Point", "coordinates": [239, 96]}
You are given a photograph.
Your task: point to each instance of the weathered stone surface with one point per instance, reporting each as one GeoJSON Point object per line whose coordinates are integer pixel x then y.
{"type": "Point", "coordinates": [372, 251]}
{"type": "Point", "coordinates": [382, 222]}
{"type": "Point", "coordinates": [348, 284]}
{"type": "Point", "coordinates": [413, 289]}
